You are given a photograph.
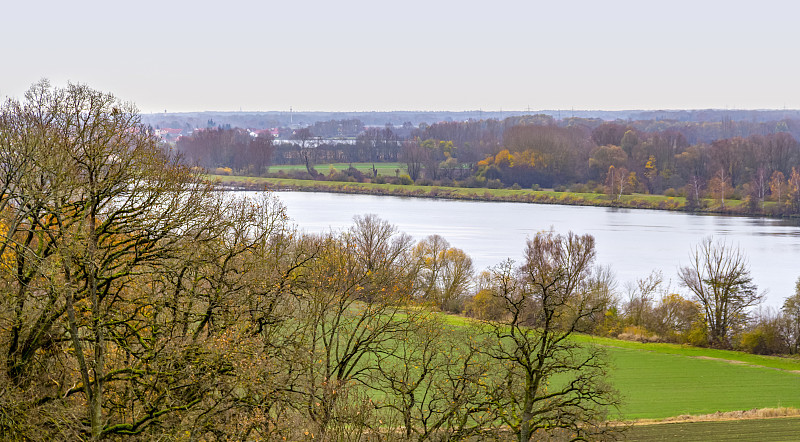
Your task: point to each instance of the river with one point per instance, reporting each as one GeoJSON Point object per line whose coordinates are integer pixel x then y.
{"type": "Point", "coordinates": [632, 242]}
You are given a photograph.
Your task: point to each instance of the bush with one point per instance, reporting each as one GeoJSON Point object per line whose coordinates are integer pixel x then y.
{"type": "Point", "coordinates": [484, 305]}
{"type": "Point", "coordinates": [405, 180]}
{"type": "Point", "coordinates": [671, 192]}
{"type": "Point", "coordinates": [516, 187]}
{"type": "Point", "coordinates": [535, 187]}
{"type": "Point", "coordinates": [494, 184]}
{"type": "Point", "coordinates": [560, 188]}
{"type": "Point", "coordinates": [424, 182]}
{"type": "Point", "coordinates": [473, 182]}
{"type": "Point", "coordinates": [763, 339]}
{"type": "Point", "coordinates": [223, 171]}
{"type": "Point", "coordinates": [637, 333]}
{"type": "Point", "coordinates": [579, 188]}
{"type": "Point", "coordinates": [299, 175]}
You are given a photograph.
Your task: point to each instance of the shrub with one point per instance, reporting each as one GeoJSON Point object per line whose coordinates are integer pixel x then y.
{"type": "Point", "coordinates": [516, 187]}
{"type": "Point", "coordinates": [535, 187]}
{"type": "Point", "coordinates": [473, 182]}
{"type": "Point", "coordinates": [671, 192]}
{"type": "Point", "coordinates": [579, 188]}
{"type": "Point", "coordinates": [223, 171]}
{"type": "Point", "coordinates": [494, 184]}
{"type": "Point", "coordinates": [405, 180]}
{"type": "Point", "coordinates": [484, 305]}
{"type": "Point", "coordinates": [637, 333]}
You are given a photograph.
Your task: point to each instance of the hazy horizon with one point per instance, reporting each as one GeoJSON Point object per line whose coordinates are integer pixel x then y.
{"type": "Point", "coordinates": [360, 56]}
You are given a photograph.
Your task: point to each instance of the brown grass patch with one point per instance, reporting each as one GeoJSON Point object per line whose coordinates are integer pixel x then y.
{"type": "Point", "coordinates": [755, 413]}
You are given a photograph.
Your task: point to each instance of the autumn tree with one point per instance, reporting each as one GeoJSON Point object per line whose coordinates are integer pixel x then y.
{"type": "Point", "coordinates": [791, 312]}
{"type": "Point", "coordinates": [793, 194]}
{"type": "Point", "coordinates": [777, 186]}
{"type": "Point", "coordinates": [605, 156]}
{"type": "Point", "coordinates": [443, 273]}
{"type": "Point", "coordinates": [619, 182]}
{"type": "Point", "coordinates": [720, 186]}
{"type": "Point", "coordinates": [353, 298]}
{"type": "Point", "coordinates": [718, 277]}
{"type": "Point", "coordinates": [99, 205]}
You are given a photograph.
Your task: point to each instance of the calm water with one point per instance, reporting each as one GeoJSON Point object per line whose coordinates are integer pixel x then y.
{"type": "Point", "coordinates": [632, 242]}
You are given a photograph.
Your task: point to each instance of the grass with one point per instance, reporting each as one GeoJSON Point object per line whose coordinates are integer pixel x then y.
{"type": "Point", "coordinates": [659, 385]}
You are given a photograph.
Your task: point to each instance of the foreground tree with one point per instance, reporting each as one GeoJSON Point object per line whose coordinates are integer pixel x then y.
{"type": "Point", "coordinates": [98, 205]}
{"type": "Point", "coordinates": [719, 278]}
{"type": "Point", "coordinates": [551, 386]}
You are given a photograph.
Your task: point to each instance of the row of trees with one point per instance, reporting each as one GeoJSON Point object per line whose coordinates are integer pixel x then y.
{"type": "Point", "coordinates": [231, 148]}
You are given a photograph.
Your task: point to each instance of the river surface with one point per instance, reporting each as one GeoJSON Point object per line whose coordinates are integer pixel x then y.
{"type": "Point", "coordinates": [631, 242]}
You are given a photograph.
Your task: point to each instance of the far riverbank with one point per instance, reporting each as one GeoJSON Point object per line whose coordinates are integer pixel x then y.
{"type": "Point", "coordinates": [632, 201]}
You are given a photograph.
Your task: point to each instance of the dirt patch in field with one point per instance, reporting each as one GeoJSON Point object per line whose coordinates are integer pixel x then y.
{"type": "Point", "coordinates": [755, 413]}
{"type": "Point", "coordinates": [730, 361]}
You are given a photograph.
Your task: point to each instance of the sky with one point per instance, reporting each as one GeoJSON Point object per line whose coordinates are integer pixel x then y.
{"type": "Point", "coordinates": [351, 55]}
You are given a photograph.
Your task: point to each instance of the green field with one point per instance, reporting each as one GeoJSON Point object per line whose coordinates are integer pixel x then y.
{"type": "Point", "coordinates": [666, 380]}
{"type": "Point", "coordinates": [756, 430]}
{"type": "Point", "coordinates": [657, 385]}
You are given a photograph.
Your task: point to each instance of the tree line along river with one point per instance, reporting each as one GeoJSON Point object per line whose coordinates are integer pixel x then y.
{"type": "Point", "coordinates": [632, 242]}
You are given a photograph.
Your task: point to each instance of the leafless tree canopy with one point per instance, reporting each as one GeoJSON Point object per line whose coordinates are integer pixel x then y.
{"type": "Point", "coordinates": [719, 278]}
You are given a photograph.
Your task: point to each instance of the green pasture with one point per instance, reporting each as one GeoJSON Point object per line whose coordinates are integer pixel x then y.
{"type": "Point", "coordinates": [657, 385]}
{"type": "Point", "coordinates": [665, 380]}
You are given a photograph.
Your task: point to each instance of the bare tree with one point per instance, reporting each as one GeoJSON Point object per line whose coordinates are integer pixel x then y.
{"type": "Point", "coordinates": [719, 278]}
{"type": "Point", "coordinates": [550, 386]}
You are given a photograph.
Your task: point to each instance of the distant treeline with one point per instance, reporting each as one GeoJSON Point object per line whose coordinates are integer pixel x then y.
{"type": "Point", "coordinates": [756, 161]}
{"type": "Point", "coordinates": [264, 120]}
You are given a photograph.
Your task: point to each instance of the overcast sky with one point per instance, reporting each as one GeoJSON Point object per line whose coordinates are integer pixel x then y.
{"type": "Point", "coordinates": [350, 55]}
